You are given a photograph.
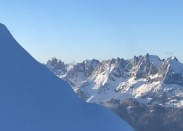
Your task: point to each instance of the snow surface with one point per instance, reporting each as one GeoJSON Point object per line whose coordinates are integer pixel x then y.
{"type": "Point", "coordinates": [33, 99]}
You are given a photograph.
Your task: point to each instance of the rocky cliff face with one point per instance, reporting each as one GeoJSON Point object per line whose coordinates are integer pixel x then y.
{"type": "Point", "coordinates": [146, 91]}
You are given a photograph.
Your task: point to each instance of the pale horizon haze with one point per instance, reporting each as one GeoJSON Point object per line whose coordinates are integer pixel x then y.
{"type": "Point", "coordinates": [74, 30]}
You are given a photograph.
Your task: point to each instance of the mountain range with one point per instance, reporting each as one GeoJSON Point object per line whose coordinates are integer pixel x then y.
{"type": "Point", "coordinates": [146, 91]}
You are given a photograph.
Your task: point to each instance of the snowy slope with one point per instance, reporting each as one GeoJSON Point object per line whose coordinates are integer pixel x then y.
{"type": "Point", "coordinates": [33, 99]}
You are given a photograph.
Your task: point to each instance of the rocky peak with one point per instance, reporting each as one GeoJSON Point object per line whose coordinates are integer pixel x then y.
{"type": "Point", "coordinates": [90, 63]}
{"type": "Point", "coordinates": [84, 69]}
{"type": "Point", "coordinates": [172, 71]}
{"type": "Point", "coordinates": [57, 66]}
{"type": "Point", "coordinates": [144, 66]}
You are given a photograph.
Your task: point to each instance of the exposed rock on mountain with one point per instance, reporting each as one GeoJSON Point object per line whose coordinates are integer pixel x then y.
{"type": "Point", "coordinates": [146, 91]}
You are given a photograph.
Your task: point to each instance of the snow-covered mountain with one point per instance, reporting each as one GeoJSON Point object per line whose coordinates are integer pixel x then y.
{"type": "Point", "coordinates": [146, 91]}
{"type": "Point", "coordinates": [33, 99]}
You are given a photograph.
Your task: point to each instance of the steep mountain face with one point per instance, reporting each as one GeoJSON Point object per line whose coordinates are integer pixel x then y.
{"type": "Point", "coordinates": [33, 99]}
{"type": "Point", "coordinates": [146, 91]}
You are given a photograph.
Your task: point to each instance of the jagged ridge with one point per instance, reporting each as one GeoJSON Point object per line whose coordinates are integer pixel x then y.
{"type": "Point", "coordinates": [144, 78]}
{"type": "Point", "coordinates": [146, 91]}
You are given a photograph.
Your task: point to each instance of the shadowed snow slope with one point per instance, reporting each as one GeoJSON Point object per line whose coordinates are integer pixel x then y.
{"type": "Point", "coordinates": [33, 99]}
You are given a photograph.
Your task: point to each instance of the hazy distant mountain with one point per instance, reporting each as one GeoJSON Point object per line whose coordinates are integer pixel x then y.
{"type": "Point", "coordinates": [146, 91]}
{"type": "Point", "coordinates": [33, 99]}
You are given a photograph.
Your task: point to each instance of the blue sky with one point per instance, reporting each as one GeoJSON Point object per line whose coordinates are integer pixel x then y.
{"type": "Point", "coordinates": [74, 30]}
